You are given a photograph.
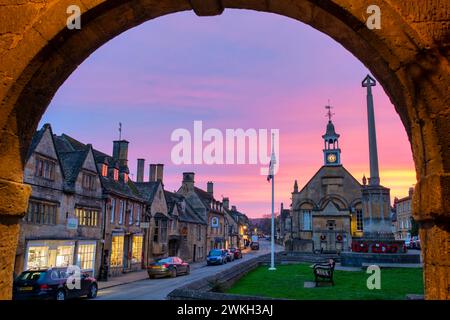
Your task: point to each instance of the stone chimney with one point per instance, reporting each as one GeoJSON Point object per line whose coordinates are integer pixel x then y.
{"type": "Point", "coordinates": [140, 170]}
{"type": "Point", "coordinates": [120, 152]}
{"type": "Point", "coordinates": [410, 192]}
{"type": "Point", "coordinates": [159, 172]}
{"type": "Point", "coordinates": [152, 173]}
{"type": "Point", "coordinates": [210, 187]}
{"type": "Point", "coordinates": [226, 203]}
{"type": "Point", "coordinates": [188, 181]}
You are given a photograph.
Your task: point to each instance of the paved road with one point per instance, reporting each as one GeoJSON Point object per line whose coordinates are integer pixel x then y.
{"type": "Point", "coordinates": [158, 289]}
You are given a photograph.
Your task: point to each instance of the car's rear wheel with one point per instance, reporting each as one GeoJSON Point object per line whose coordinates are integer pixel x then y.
{"type": "Point", "coordinates": [173, 273]}
{"type": "Point", "coordinates": [151, 276]}
{"type": "Point", "coordinates": [92, 294]}
{"type": "Point", "coordinates": [60, 295]}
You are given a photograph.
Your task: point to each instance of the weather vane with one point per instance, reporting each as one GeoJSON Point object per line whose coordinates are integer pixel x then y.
{"type": "Point", "coordinates": [120, 131]}
{"type": "Point", "coordinates": [329, 113]}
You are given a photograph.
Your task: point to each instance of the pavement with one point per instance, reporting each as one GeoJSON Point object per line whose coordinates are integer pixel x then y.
{"type": "Point", "coordinates": [135, 276]}
{"type": "Point", "coordinates": [137, 285]}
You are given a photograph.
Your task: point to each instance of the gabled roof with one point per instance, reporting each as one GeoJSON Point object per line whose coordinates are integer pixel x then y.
{"type": "Point", "coordinates": [204, 196]}
{"type": "Point", "coordinates": [189, 215]}
{"type": "Point", "coordinates": [71, 163]}
{"type": "Point", "coordinates": [148, 189]}
{"type": "Point", "coordinates": [326, 168]}
{"type": "Point", "coordinates": [36, 139]}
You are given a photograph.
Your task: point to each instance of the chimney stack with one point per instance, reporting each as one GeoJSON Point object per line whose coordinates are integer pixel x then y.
{"type": "Point", "coordinates": [210, 187]}
{"type": "Point", "coordinates": [159, 172]}
{"type": "Point", "coordinates": [120, 152]}
{"type": "Point", "coordinates": [140, 170]}
{"type": "Point", "coordinates": [226, 203]}
{"type": "Point", "coordinates": [152, 173]}
{"type": "Point", "coordinates": [233, 208]}
{"type": "Point", "coordinates": [410, 192]}
{"type": "Point", "coordinates": [188, 180]}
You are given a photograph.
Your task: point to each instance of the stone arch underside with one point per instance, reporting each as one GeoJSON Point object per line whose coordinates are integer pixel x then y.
{"type": "Point", "coordinates": [408, 56]}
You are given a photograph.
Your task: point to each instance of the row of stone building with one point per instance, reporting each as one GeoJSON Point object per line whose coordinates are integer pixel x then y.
{"type": "Point", "coordinates": [85, 210]}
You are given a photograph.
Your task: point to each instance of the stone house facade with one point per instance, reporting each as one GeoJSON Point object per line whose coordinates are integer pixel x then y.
{"type": "Point", "coordinates": [122, 248]}
{"type": "Point", "coordinates": [157, 215]}
{"type": "Point", "coordinates": [208, 208]}
{"type": "Point", "coordinates": [403, 213]}
{"type": "Point", "coordinates": [64, 219]}
{"type": "Point", "coordinates": [188, 237]}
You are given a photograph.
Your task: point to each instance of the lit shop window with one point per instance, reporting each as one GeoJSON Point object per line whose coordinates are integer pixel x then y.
{"type": "Point", "coordinates": [117, 251]}
{"type": "Point", "coordinates": [86, 256]}
{"type": "Point", "coordinates": [137, 248]}
{"type": "Point", "coordinates": [37, 257]}
{"type": "Point", "coordinates": [64, 256]}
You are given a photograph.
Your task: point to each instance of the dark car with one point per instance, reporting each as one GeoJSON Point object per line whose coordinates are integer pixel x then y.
{"type": "Point", "coordinates": [171, 266]}
{"type": "Point", "coordinates": [230, 255]}
{"type": "Point", "coordinates": [254, 246]}
{"type": "Point", "coordinates": [216, 256]}
{"type": "Point", "coordinates": [237, 253]}
{"type": "Point", "coordinates": [52, 283]}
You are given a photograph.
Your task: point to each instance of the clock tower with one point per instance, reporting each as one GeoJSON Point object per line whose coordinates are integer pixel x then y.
{"type": "Point", "coordinates": [331, 151]}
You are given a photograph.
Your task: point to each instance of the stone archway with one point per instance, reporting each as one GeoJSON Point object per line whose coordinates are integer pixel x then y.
{"type": "Point", "coordinates": [408, 56]}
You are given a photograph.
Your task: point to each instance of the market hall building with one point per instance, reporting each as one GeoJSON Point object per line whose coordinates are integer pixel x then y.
{"type": "Point", "coordinates": [327, 212]}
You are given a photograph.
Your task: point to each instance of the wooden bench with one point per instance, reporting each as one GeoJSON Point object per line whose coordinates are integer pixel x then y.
{"type": "Point", "coordinates": [323, 272]}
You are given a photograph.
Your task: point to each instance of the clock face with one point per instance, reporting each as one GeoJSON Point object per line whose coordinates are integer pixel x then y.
{"type": "Point", "coordinates": [331, 158]}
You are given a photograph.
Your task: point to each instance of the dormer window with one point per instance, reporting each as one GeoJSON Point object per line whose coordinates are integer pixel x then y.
{"type": "Point", "coordinates": [116, 174]}
{"type": "Point", "coordinates": [104, 170]}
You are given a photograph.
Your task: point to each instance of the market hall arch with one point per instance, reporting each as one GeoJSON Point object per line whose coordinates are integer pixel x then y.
{"type": "Point", "coordinates": [408, 56]}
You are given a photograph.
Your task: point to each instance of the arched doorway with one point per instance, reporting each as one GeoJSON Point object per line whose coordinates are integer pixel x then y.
{"type": "Point", "coordinates": [407, 55]}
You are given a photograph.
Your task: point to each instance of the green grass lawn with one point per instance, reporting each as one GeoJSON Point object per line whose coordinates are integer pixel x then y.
{"type": "Point", "coordinates": [287, 282]}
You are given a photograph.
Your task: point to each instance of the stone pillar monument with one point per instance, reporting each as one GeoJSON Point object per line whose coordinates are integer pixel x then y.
{"type": "Point", "coordinates": [378, 244]}
{"type": "Point", "coordinates": [375, 198]}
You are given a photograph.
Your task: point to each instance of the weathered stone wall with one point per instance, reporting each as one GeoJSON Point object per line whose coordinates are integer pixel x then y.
{"type": "Point", "coordinates": [408, 56]}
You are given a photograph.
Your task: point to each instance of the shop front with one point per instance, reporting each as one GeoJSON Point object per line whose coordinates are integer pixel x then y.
{"type": "Point", "coordinates": [126, 253]}
{"type": "Point", "coordinates": [60, 253]}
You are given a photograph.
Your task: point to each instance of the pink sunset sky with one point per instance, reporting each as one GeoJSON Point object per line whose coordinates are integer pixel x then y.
{"type": "Point", "coordinates": [242, 69]}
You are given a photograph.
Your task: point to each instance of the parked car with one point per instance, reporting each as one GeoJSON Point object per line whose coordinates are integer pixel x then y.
{"type": "Point", "coordinates": [171, 266]}
{"type": "Point", "coordinates": [230, 255]}
{"type": "Point", "coordinates": [254, 246]}
{"type": "Point", "coordinates": [237, 253]}
{"type": "Point", "coordinates": [216, 256]}
{"type": "Point", "coordinates": [51, 283]}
